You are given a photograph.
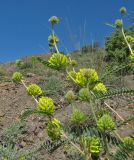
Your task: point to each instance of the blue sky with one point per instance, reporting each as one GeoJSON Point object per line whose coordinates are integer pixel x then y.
{"type": "Point", "coordinates": [24, 26]}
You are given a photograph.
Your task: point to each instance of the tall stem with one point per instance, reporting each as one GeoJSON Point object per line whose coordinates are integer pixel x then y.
{"type": "Point", "coordinates": [127, 41]}
{"type": "Point", "coordinates": [57, 50]}
{"type": "Point", "coordinates": [22, 81]}
{"type": "Point", "coordinates": [74, 145]}
{"type": "Point", "coordinates": [93, 112]}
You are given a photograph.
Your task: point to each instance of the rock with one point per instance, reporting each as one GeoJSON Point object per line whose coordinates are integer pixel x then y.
{"type": "Point", "coordinates": [30, 75]}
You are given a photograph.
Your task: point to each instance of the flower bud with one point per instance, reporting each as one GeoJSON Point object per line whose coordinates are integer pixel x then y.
{"type": "Point", "coordinates": [77, 117]}
{"type": "Point", "coordinates": [53, 20]}
{"type": "Point", "coordinates": [34, 90]}
{"type": "Point", "coordinates": [17, 77]}
{"type": "Point", "coordinates": [84, 94]}
{"type": "Point", "coordinates": [70, 96]}
{"type": "Point", "coordinates": [46, 104]}
{"type": "Point", "coordinates": [123, 10]}
{"type": "Point", "coordinates": [54, 129]}
{"type": "Point", "coordinates": [52, 39]}
{"type": "Point", "coordinates": [118, 23]}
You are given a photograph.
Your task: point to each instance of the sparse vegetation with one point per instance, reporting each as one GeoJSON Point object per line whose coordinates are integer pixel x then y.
{"type": "Point", "coordinates": [84, 134]}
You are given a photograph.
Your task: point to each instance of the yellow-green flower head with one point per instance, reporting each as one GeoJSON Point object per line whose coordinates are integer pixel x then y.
{"type": "Point", "coordinates": [17, 77]}
{"type": "Point", "coordinates": [100, 87]}
{"type": "Point", "coordinates": [58, 61]}
{"type": "Point", "coordinates": [131, 57]}
{"type": "Point", "coordinates": [46, 104]}
{"type": "Point", "coordinates": [54, 129]}
{"type": "Point", "coordinates": [34, 90]}
{"type": "Point", "coordinates": [130, 39]}
{"type": "Point", "coordinates": [71, 75]}
{"type": "Point", "coordinates": [92, 144]}
{"type": "Point", "coordinates": [105, 123]}
{"type": "Point", "coordinates": [123, 10]}
{"type": "Point", "coordinates": [19, 62]}
{"type": "Point", "coordinates": [118, 23]}
{"type": "Point", "coordinates": [70, 96]}
{"type": "Point", "coordinates": [86, 76]}
{"type": "Point", "coordinates": [53, 20]}
{"type": "Point", "coordinates": [84, 94]}
{"type": "Point", "coordinates": [129, 143]}
{"type": "Point", "coordinates": [52, 39]}
{"type": "Point", "coordinates": [78, 117]}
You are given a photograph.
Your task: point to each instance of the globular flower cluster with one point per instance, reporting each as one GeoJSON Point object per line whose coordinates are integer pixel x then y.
{"type": "Point", "coordinates": [52, 39]}
{"type": "Point", "coordinates": [54, 129]}
{"type": "Point", "coordinates": [46, 105]}
{"type": "Point", "coordinates": [78, 117]}
{"type": "Point", "coordinates": [34, 90]}
{"type": "Point", "coordinates": [53, 20]}
{"type": "Point", "coordinates": [17, 77]}
{"type": "Point", "coordinates": [58, 61]}
{"type": "Point", "coordinates": [123, 10]}
{"type": "Point", "coordinates": [70, 96]}
{"type": "Point", "coordinates": [105, 123]}
{"type": "Point", "coordinates": [100, 87]}
{"type": "Point", "coordinates": [130, 39]}
{"type": "Point", "coordinates": [84, 94]}
{"type": "Point", "coordinates": [118, 23]}
{"type": "Point", "coordinates": [92, 144]}
{"type": "Point", "coordinates": [129, 143]}
{"type": "Point", "coordinates": [84, 77]}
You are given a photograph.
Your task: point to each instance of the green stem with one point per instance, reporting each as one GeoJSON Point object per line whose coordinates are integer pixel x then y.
{"type": "Point", "coordinates": [55, 45]}
{"type": "Point", "coordinates": [74, 145]}
{"type": "Point", "coordinates": [127, 41]}
{"type": "Point", "coordinates": [93, 112]}
{"type": "Point", "coordinates": [22, 81]}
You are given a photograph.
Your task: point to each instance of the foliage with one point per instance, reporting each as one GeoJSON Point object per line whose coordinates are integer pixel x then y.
{"type": "Point", "coordinates": [53, 86]}
{"type": "Point", "coordinates": [10, 138]}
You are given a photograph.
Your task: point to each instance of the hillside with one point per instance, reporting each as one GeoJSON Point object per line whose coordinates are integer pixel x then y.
{"type": "Point", "coordinates": [14, 101]}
